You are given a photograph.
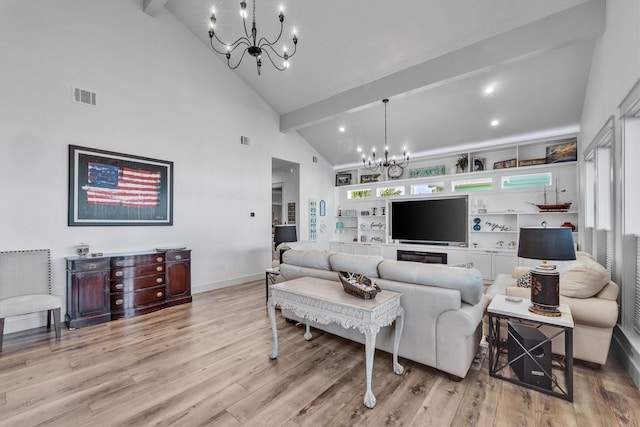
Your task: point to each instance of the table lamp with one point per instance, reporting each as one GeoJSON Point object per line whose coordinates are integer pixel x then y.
{"type": "Point", "coordinates": [284, 233]}
{"type": "Point", "coordinates": [546, 244]}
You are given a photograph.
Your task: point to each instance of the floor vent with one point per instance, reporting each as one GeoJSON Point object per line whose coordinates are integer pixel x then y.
{"type": "Point", "coordinates": [244, 140]}
{"type": "Point", "coordinates": [84, 96]}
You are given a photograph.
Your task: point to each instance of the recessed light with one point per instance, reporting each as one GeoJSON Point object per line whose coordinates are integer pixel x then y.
{"type": "Point", "coordinates": [495, 122]}
{"type": "Point", "coordinates": [489, 90]}
{"type": "Point", "coordinates": [341, 129]}
{"type": "Point", "coordinates": [359, 150]}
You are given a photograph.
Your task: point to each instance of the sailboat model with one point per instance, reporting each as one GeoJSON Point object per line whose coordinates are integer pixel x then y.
{"type": "Point", "coordinates": [555, 207]}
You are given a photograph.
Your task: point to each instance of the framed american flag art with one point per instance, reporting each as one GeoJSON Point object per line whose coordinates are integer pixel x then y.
{"type": "Point", "coordinates": [107, 188]}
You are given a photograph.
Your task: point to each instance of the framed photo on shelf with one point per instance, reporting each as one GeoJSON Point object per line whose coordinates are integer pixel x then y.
{"type": "Point", "coordinates": [107, 188]}
{"type": "Point", "coordinates": [343, 179]}
{"type": "Point", "coordinates": [511, 163]}
{"type": "Point", "coordinates": [479, 164]}
{"type": "Point", "coordinates": [498, 165]}
{"type": "Point", "coordinates": [565, 152]}
{"type": "Point", "coordinates": [531, 162]}
{"type": "Point", "coordinates": [365, 179]}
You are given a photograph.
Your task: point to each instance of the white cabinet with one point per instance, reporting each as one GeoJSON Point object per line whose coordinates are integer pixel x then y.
{"type": "Point", "coordinates": [492, 263]}
{"type": "Point", "coordinates": [356, 248]}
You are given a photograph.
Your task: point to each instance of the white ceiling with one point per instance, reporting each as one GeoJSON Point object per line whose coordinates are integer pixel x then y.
{"type": "Point", "coordinates": [432, 58]}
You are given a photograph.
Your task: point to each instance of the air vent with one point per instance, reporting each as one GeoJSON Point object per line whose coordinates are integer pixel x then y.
{"type": "Point", "coordinates": [84, 96]}
{"type": "Point", "coordinates": [315, 159]}
{"type": "Point", "coordinates": [244, 140]}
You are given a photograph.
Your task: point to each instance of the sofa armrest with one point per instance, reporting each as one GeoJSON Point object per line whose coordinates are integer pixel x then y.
{"type": "Point", "coordinates": [609, 292]}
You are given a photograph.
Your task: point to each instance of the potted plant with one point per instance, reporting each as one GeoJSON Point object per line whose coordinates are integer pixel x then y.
{"type": "Point", "coordinates": [462, 163]}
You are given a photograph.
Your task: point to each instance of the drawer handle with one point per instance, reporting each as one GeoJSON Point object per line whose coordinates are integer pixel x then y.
{"type": "Point", "coordinates": [159, 268]}
{"type": "Point", "coordinates": [119, 263]}
{"type": "Point", "coordinates": [159, 294]}
{"type": "Point", "coordinates": [91, 266]}
{"type": "Point", "coordinates": [159, 259]}
{"type": "Point", "coordinates": [119, 273]}
{"type": "Point", "coordinates": [119, 301]}
{"type": "Point", "coordinates": [178, 257]}
{"type": "Point", "coordinates": [119, 286]}
{"type": "Point", "coordinates": [159, 280]}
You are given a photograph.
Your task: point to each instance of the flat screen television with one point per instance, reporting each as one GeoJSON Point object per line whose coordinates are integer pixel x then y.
{"type": "Point", "coordinates": [433, 221]}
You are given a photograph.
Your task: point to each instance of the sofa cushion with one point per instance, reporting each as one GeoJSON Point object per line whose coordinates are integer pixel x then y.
{"type": "Point", "coordinates": [310, 259]}
{"type": "Point", "coordinates": [584, 280]}
{"type": "Point", "coordinates": [362, 264]}
{"type": "Point", "coordinates": [466, 280]}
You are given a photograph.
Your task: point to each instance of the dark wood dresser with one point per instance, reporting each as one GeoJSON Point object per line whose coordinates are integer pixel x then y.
{"type": "Point", "coordinates": [113, 286]}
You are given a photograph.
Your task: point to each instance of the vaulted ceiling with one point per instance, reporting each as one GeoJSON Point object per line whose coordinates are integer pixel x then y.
{"type": "Point", "coordinates": [431, 58]}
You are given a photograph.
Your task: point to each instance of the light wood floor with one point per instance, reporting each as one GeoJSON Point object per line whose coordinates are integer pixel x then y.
{"type": "Point", "coordinates": [206, 363]}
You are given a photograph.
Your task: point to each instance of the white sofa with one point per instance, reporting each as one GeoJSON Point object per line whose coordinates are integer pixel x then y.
{"type": "Point", "coordinates": [443, 305]}
{"type": "Point", "coordinates": [587, 288]}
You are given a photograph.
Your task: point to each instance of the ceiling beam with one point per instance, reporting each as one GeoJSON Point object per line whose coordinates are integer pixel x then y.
{"type": "Point", "coordinates": [151, 7]}
{"type": "Point", "coordinates": [582, 22]}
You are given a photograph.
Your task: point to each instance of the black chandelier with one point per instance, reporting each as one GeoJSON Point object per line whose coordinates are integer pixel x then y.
{"type": "Point", "coordinates": [256, 47]}
{"type": "Point", "coordinates": [381, 164]}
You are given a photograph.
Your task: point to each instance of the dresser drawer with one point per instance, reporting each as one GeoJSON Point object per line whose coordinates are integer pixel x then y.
{"type": "Point", "coordinates": [178, 255]}
{"type": "Point", "coordinates": [129, 261]}
{"type": "Point", "coordinates": [137, 271]}
{"type": "Point", "coordinates": [126, 300]}
{"type": "Point", "coordinates": [136, 283]}
{"type": "Point", "coordinates": [89, 264]}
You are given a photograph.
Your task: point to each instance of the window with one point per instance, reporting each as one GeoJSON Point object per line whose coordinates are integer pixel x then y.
{"type": "Point", "coordinates": [628, 263]}
{"type": "Point", "coordinates": [390, 191]}
{"type": "Point", "coordinates": [433, 187]}
{"type": "Point", "coordinates": [472, 184]}
{"type": "Point", "coordinates": [359, 194]}
{"type": "Point", "coordinates": [531, 180]}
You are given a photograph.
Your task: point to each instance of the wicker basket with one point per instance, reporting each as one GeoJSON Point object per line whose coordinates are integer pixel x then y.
{"type": "Point", "coordinates": [354, 289]}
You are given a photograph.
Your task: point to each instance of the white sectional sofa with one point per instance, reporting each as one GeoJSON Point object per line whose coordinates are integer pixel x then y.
{"type": "Point", "coordinates": [443, 305]}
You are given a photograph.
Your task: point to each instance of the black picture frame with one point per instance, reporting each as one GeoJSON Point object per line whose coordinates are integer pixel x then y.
{"type": "Point", "coordinates": [109, 189]}
{"type": "Point", "coordinates": [343, 179]}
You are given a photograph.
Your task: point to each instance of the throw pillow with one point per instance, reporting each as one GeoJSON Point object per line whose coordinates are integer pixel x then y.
{"type": "Point", "coordinates": [524, 281]}
{"type": "Point", "coordinates": [584, 280]}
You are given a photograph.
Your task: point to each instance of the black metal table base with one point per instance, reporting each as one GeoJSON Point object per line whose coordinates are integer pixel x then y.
{"type": "Point", "coordinates": [499, 363]}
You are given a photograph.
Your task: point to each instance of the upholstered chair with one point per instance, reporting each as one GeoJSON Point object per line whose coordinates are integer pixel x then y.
{"type": "Point", "coordinates": [25, 287]}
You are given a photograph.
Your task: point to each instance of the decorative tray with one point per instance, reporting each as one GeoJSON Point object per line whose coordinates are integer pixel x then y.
{"type": "Point", "coordinates": [358, 285]}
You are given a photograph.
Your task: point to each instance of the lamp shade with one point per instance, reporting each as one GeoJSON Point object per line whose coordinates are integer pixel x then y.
{"type": "Point", "coordinates": [284, 233]}
{"type": "Point", "coordinates": [546, 243]}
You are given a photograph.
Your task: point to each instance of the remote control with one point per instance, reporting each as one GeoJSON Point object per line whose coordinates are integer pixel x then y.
{"type": "Point", "coordinates": [513, 299]}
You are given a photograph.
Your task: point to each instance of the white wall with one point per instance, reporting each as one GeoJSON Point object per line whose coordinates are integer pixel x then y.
{"type": "Point", "coordinates": [162, 94]}
{"type": "Point", "coordinates": [615, 68]}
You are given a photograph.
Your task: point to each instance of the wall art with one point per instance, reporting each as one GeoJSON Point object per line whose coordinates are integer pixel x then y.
{"type": "Point", "coordinates": [108, 188]}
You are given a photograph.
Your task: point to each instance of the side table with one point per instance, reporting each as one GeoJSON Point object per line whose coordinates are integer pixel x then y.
{"type": "Point", "coordinates": [269, 279]}
{"type": "Point", "coordinates": [503, 312]}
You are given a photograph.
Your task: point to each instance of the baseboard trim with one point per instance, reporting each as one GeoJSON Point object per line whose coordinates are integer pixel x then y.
{"type": "Point", "coordinates": [225, 283]}
{"type": "Point", "coordinates": [24, 322]}
{"type": "Point", "coordinates": [627, 346]}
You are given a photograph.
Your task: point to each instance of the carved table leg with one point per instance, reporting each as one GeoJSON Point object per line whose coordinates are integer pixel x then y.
{"type": "Point", "coordinates": [397, 368]}
{"type": "Point", "coordinates": [370, 347]}
{"type": "Point", "coordinates": [271, 308]}
{"type": "Point", "coordinates": [307, 334]}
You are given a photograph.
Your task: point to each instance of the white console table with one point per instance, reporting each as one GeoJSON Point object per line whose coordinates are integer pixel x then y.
{"type": "Point", "coordinates": [324, 302]}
